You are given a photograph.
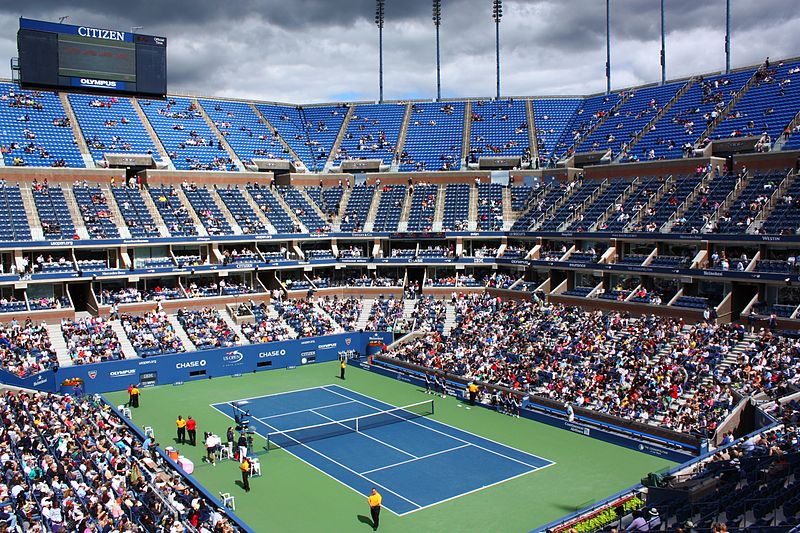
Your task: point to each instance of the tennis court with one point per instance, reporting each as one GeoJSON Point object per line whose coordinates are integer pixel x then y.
{"type": "Point", "coordinates": [415, 461]}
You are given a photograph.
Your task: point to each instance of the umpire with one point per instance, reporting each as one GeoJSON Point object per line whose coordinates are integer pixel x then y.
{"type": "Point", "coordinates": [374, 501]}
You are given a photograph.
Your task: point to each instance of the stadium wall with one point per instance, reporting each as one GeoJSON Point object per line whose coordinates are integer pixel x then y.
{"type": "Point", "coordinates": [192, 366]}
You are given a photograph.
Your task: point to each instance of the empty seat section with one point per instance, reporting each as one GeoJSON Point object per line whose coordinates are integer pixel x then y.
{"type": "Point", "coordinates": [560, 216]}
{"type": "Point", "coordinates": [175, 215]}
{"type": "Point", "coordinates": [552, 117]}
{"type": "Point", "coordinates": [272, 209]}
{"type": "Point", "coordinates": [434, 137]}
{"type": "Point", "coordinates": [499, 128]}
{"type": "Point", "coordinates": [390, 207]}
{"type": "Point", "coordinates": [423, 208]}
{"type": "Point", "coordinates": [490, 206]}
{"type": "Point", "coordinates": [54, 214]}
{"type": "Point", "coordinates": [358, 206]}
{"type": "Point", "coordinates": [242, 212]}
{"type": "Point", "coordinates": [302, 209]}
{"type": "Point", "coordinates": [137, 217]}
{"type": "Point", "coordinates": [590, 112]}
{"type": "Point", "coordinates": [96, 213]}
{"type": "Point", "coordinates": [209, 212]}
{"type": "Point", "coordinates": [456, 207]}
{"type": "Point", "coordinates": [591, 215]}
{"type": "Point", "coordinates": [372, 132]}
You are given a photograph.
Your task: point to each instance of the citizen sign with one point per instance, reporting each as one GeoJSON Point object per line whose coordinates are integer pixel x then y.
{"type": "Point", "coordinates": [273, 353]}
{"type": "Point", "coordinates": [101, 34]}
{"type": "Point", "coordinates": [191, 364]}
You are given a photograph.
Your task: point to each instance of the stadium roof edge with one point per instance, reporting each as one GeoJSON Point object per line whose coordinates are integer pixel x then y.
{"type": "Point", "coordinates": [185, 94]}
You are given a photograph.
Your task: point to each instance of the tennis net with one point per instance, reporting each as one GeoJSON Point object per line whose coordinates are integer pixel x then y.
{"type": "Point", "coordinates": [303, 435]}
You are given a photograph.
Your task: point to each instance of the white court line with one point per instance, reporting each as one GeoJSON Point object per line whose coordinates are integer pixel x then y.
{"type": "Point", "coordinates": [417, 458]}
{"type": "Point", "coordinates": [274, 394]}
{"type": "Point", "coordinates": [302, 411]}
{"type": "Point", "coordinates": [343, 466]}
{"type": "Point", "coordinates": [365, 435]}
{"type": "Point", "coordinates": [454, 437]}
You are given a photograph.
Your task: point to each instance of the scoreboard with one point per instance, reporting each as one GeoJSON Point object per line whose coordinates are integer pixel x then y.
{"type": "Point", "coordinates": [67, 57]}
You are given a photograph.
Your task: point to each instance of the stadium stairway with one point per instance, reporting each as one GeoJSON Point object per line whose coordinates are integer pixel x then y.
{"type": "Point", "coordinates": [508, 213]}
{"type": "Point", "coordinates": [153, 210]}
{"type": "Point", "coordinates": [401, 139]}
{"type": "Point", "coordinates": [338, 141]}
{"type": "Point", "coordinates": [449, 318]}
{"type": "Point", "coordinates": [116, 214]}
{"type": "Point", "coordinates": [198, 224]}
{"type": "Point", "coordinates": [373, 210]}
{"type": "Point", "coordinates": [599, 123]}
{"type": "Point", "coordinates": [438, 213]}
{"type": "Point", "coordinates": [261, 216]}
{"type": "Point", "coordinates": [686, 205]}
{"type": "Point", "coordinates": [76, 131]}
{"type": "Point", "coordinates": [409, 308]}
{"type": "Point", "coordinates": [152, 133]}
{"type": "Point", "coordinates": [641, 133]}
{"type": "Point", "coordinates": [655, 199]}
{"type": "Point", "coordinates": [322, 312]}
{"type": "Point", "coordinates": [312, 203]}
{"type": "Point", "coordinates": [403, 224]}
{"type": "Point", "coordinates": [534, 144]}
{"type": "Point", "coordinates": [363, 317]}
{"type": "Point", "coordinates": [30, 210]}
{"type": "Point", "coordinates": [220, 137]}
{"type": "Point", "coordinates": [727, 111]}
{"type": "Point", "coordinates": [285, 206]}
{"type": "Point", "coordinates": [237, 229]}
{"type": "Point", "coordinates": [285, 145]}
{"type": "Point", "coordinates": [781, 140]}
{"type": "Point", "coordinates": [769, 207]}
{"type": "Point", "coordinates": [465, 138]}
{"type": "Point", "coordinates": [234, 327]}
{"type": "Point", "coordinates": [75, 213]}
{"type": "Point", "coordinates": [125, 345]}
{"type": "Point", "coordinates": [348, 191]}
{"type": "Point", "coordinates": [181, 333]}
{"type": "Point", "coordinates": [472, 218]}
{"type": "Point", "coordinates": [59, 344]}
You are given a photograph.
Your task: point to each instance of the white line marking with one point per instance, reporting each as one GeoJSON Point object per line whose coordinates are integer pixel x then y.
{"type": "Point", "coordinates": [454, 437]}
{"type": "Point", "coordinates": [303, 411]}
{"type": "Point", "coordinates": [275, 394]}
{"type": "Point", "coordinates": [334, 477]}
{"type": "Point", "coordinates": [365, 435]}
{"type": "Point", "coordinates": [417, 458]}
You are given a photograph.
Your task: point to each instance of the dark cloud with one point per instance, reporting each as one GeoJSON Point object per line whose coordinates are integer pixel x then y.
{"type": "Point", "coordinates": [317, 50]}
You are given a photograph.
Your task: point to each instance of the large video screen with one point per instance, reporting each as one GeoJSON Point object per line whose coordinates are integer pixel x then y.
{"type": "Point", "coordinates": [67, 57]}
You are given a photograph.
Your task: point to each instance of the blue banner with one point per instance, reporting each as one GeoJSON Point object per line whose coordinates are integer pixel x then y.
{"type": "Point", "coordinates": [93, 83]}
{"type": "Point", "coordinates": [69, 29]}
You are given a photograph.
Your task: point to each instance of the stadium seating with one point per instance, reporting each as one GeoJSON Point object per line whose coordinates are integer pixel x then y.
{"type": "Point", "coordinates": [272, 209]}
{"type": "Point", "coordinates": [552, 117]}
{"type": "Point", "coordinates": [13, 220]}
{"type": "Point", "coordinates": [423, 208]}
{"type": "Point", "coordinates": [134, 211]}
{"type": "Point", "coordinates": [372, 132]}
{"type": "Point", "coordinates": [244, 215]}
{"type": "Point", "coordinates": [110, 125]}
{"type": "Point", "coordinates": [174, 214]}
{"type": "Point", "coordinates": [35, 130]}
{"type": "Point", "coordinates": [456, 207]}
{"type": "Point", "coordinates": [588, 114]}
{"type": "Point", "coordinates": [390, 207]}
{"type": "Point", "coordinates": [302, 209]}
{"type": "Point", "coordinates": [183, 132]}
{"type": "Point", "coordinates": [54, 215]}
{"type": "Point", "coordinates": [490, 206]}
{"type": "Point", "coordinates": [95, 211]}
{"type": "Point", "coordinates": [582, 193]}
{"type": "Point", "coordinates": [434, 137]}
{"type": "Point", "coordinates": [358, 206]}
{"type": "Point", "coordinates": [499, 128]}
{"type": "Point", "coordinates": [209, 212]}
{"type": "Point", "coordinates": [207, 329]}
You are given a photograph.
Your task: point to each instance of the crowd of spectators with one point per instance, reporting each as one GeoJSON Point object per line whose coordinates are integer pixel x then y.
{"type": "Point", "coordinates": [91, 340]}
{"type": "Point", "coordinates": [25, 347]}
{"type": "Point", "coordinates": [303, 316]}
{"type": "Point", "coordinates": [384, 314]}
{"type": "Point", "coordinates": [77, 467]}
{"type": "Point", "coordinates": [132, 295]}
{"type": "Point", "coordinates": [345, 311]}
{"type": "Point", "coordinates": [207, 329]}
{"type": "Point", "coordinates": [645, 369]}
{"type": "Point", "coordinates": [264, 328]}
{"type": "Point", "coordinates": [151, 334]}
{"type": "Point", "coordinates": [430, 314]}
{"type": "Point", "coordinates": [770, 364]}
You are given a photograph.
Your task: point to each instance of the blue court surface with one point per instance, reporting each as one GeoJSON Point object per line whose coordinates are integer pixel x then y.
{"type": "Point", "coordinates": [415, 462]}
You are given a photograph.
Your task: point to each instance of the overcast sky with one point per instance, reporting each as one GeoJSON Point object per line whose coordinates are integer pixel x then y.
{"type": "Point", "coordinates": [305, 51]}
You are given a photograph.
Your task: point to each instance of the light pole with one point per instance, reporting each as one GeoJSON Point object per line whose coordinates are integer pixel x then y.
{"type": "Point", "coordinates": [497, 14]}
{"type": "Point", "coordinates": [663, 48]}
{"type": "Point", "coordinates": [608, 46]}
{"type": "Point", "coordinates": [727, 36]}
{"type": "Point", "coordinates": [437, 21]}
{"type": "Point", "coordinates": [62, 19]}
{"type": "Point", "coordinates": [379, 12]}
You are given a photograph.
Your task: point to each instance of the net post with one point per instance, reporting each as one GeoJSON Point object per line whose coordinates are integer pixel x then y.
{"type": "Point", "coordinates": [433, 407]}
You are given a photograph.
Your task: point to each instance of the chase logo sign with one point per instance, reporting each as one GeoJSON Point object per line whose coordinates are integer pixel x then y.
{"type": "Point", "coordinates": [272, 353]}
{"type": "Point", "coordinates": [233, 357]}
{"type": "Point", "coordinates": [191, 364]}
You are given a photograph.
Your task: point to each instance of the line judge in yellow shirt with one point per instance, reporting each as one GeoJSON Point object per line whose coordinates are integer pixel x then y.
{"type": "Point", "coordinates": [374, 501]}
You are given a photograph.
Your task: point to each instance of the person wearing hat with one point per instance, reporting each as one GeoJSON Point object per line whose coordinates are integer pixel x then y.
{"type": "Point", "coordinates": [653, 520]}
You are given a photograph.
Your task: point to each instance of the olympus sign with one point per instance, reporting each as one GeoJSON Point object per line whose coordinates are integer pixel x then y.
{"type": "Point", "coordinates": [122, 373]}
{"type": "Point", "coordinates": [272, 353]}
{"type": "Point", "coordinates": [99, 83]}
{"type": "Point", "coordinates": [191, 364]}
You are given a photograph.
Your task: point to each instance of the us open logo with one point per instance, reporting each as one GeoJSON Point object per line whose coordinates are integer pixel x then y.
{"type": "Point", "coordinates": [233, 357]}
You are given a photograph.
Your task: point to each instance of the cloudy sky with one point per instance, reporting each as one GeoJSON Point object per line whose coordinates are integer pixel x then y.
{"type": "Point", "coordinates": [306, 51]}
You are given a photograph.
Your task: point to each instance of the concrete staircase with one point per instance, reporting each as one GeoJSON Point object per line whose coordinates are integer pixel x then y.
{"type": "Point", "coordinates": [220, 137]}
{"type": "Point", "coordinates": [532, 137]}
{"type": "Point", "coordinates": [403, 224]}
{"type": "Point", "coordinates": [338, 142]}
{"type": "Point", "coordinates": [373, 210]}
{"type": "Point", "coordinates": [237, 230]}
{"type": "Point", "coordinates": [508, 213]}
{"type": "Point", "coordinates": [59, 344]}
{"type": "Point", "coordinates": [449, 318]}
{"type": "Point", "coordinates": [153, 210]}
{"type": "Point", "coordinates": [261, 216]}
{"type": "Point", "coordinates": [409, 308]}
{"type": "Point", "coordinates": [124, 342]}
{"type": "Point", "coordinates": [116, 214]}
{"type": "Point", "coordinates": [234, 327]}
{"type": "Point", "coordinates": [439, 211]}
{"type": "Point", "coordinates": [600, 122]}
{"type": "Point", "coordinates": [181, 333]}
{"type": "Point", "coordinates": [465, 137]}
{"type": "Point", "coordinates": [198, 224]}
{"type": "Point", "coordinates": [76, 131]}
{"type": "Point", "coordinates": [31, 213]}
{"type": "Point", "coordinates": [285, 145]}
{"type": "Point", "coordinates": [472, 219]}
{"type": "Point", "coordinates": [75, 213]}
{"type": "Point", "coordinates": [363, 317]}
{"type": "Point", "coordinates": [153, 135]}
{"type": "Point", "coordinates": [348, 191]}
{"type": "Point", "coordinates": [401, 139]}
{"type": "Point", "coordinates": [725, 112]}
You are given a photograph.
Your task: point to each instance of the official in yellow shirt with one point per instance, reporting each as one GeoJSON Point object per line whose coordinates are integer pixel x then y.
{"type": "Point", "coordinates": [135, 396]}
{"type": "Point", "coordinates": [181, 425]}
{"type": "Point", "coordinates": [245, 468]}
{"type": "Point", "coordinates": [472, 388]}
{"type": "Point", "coordinates": [374, 501]}
{"type": "Point", "coordinates": [342, 366]}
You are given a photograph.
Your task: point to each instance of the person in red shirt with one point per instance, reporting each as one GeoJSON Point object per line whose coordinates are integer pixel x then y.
{"type": "Point", "coordinates": [191, 430]}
